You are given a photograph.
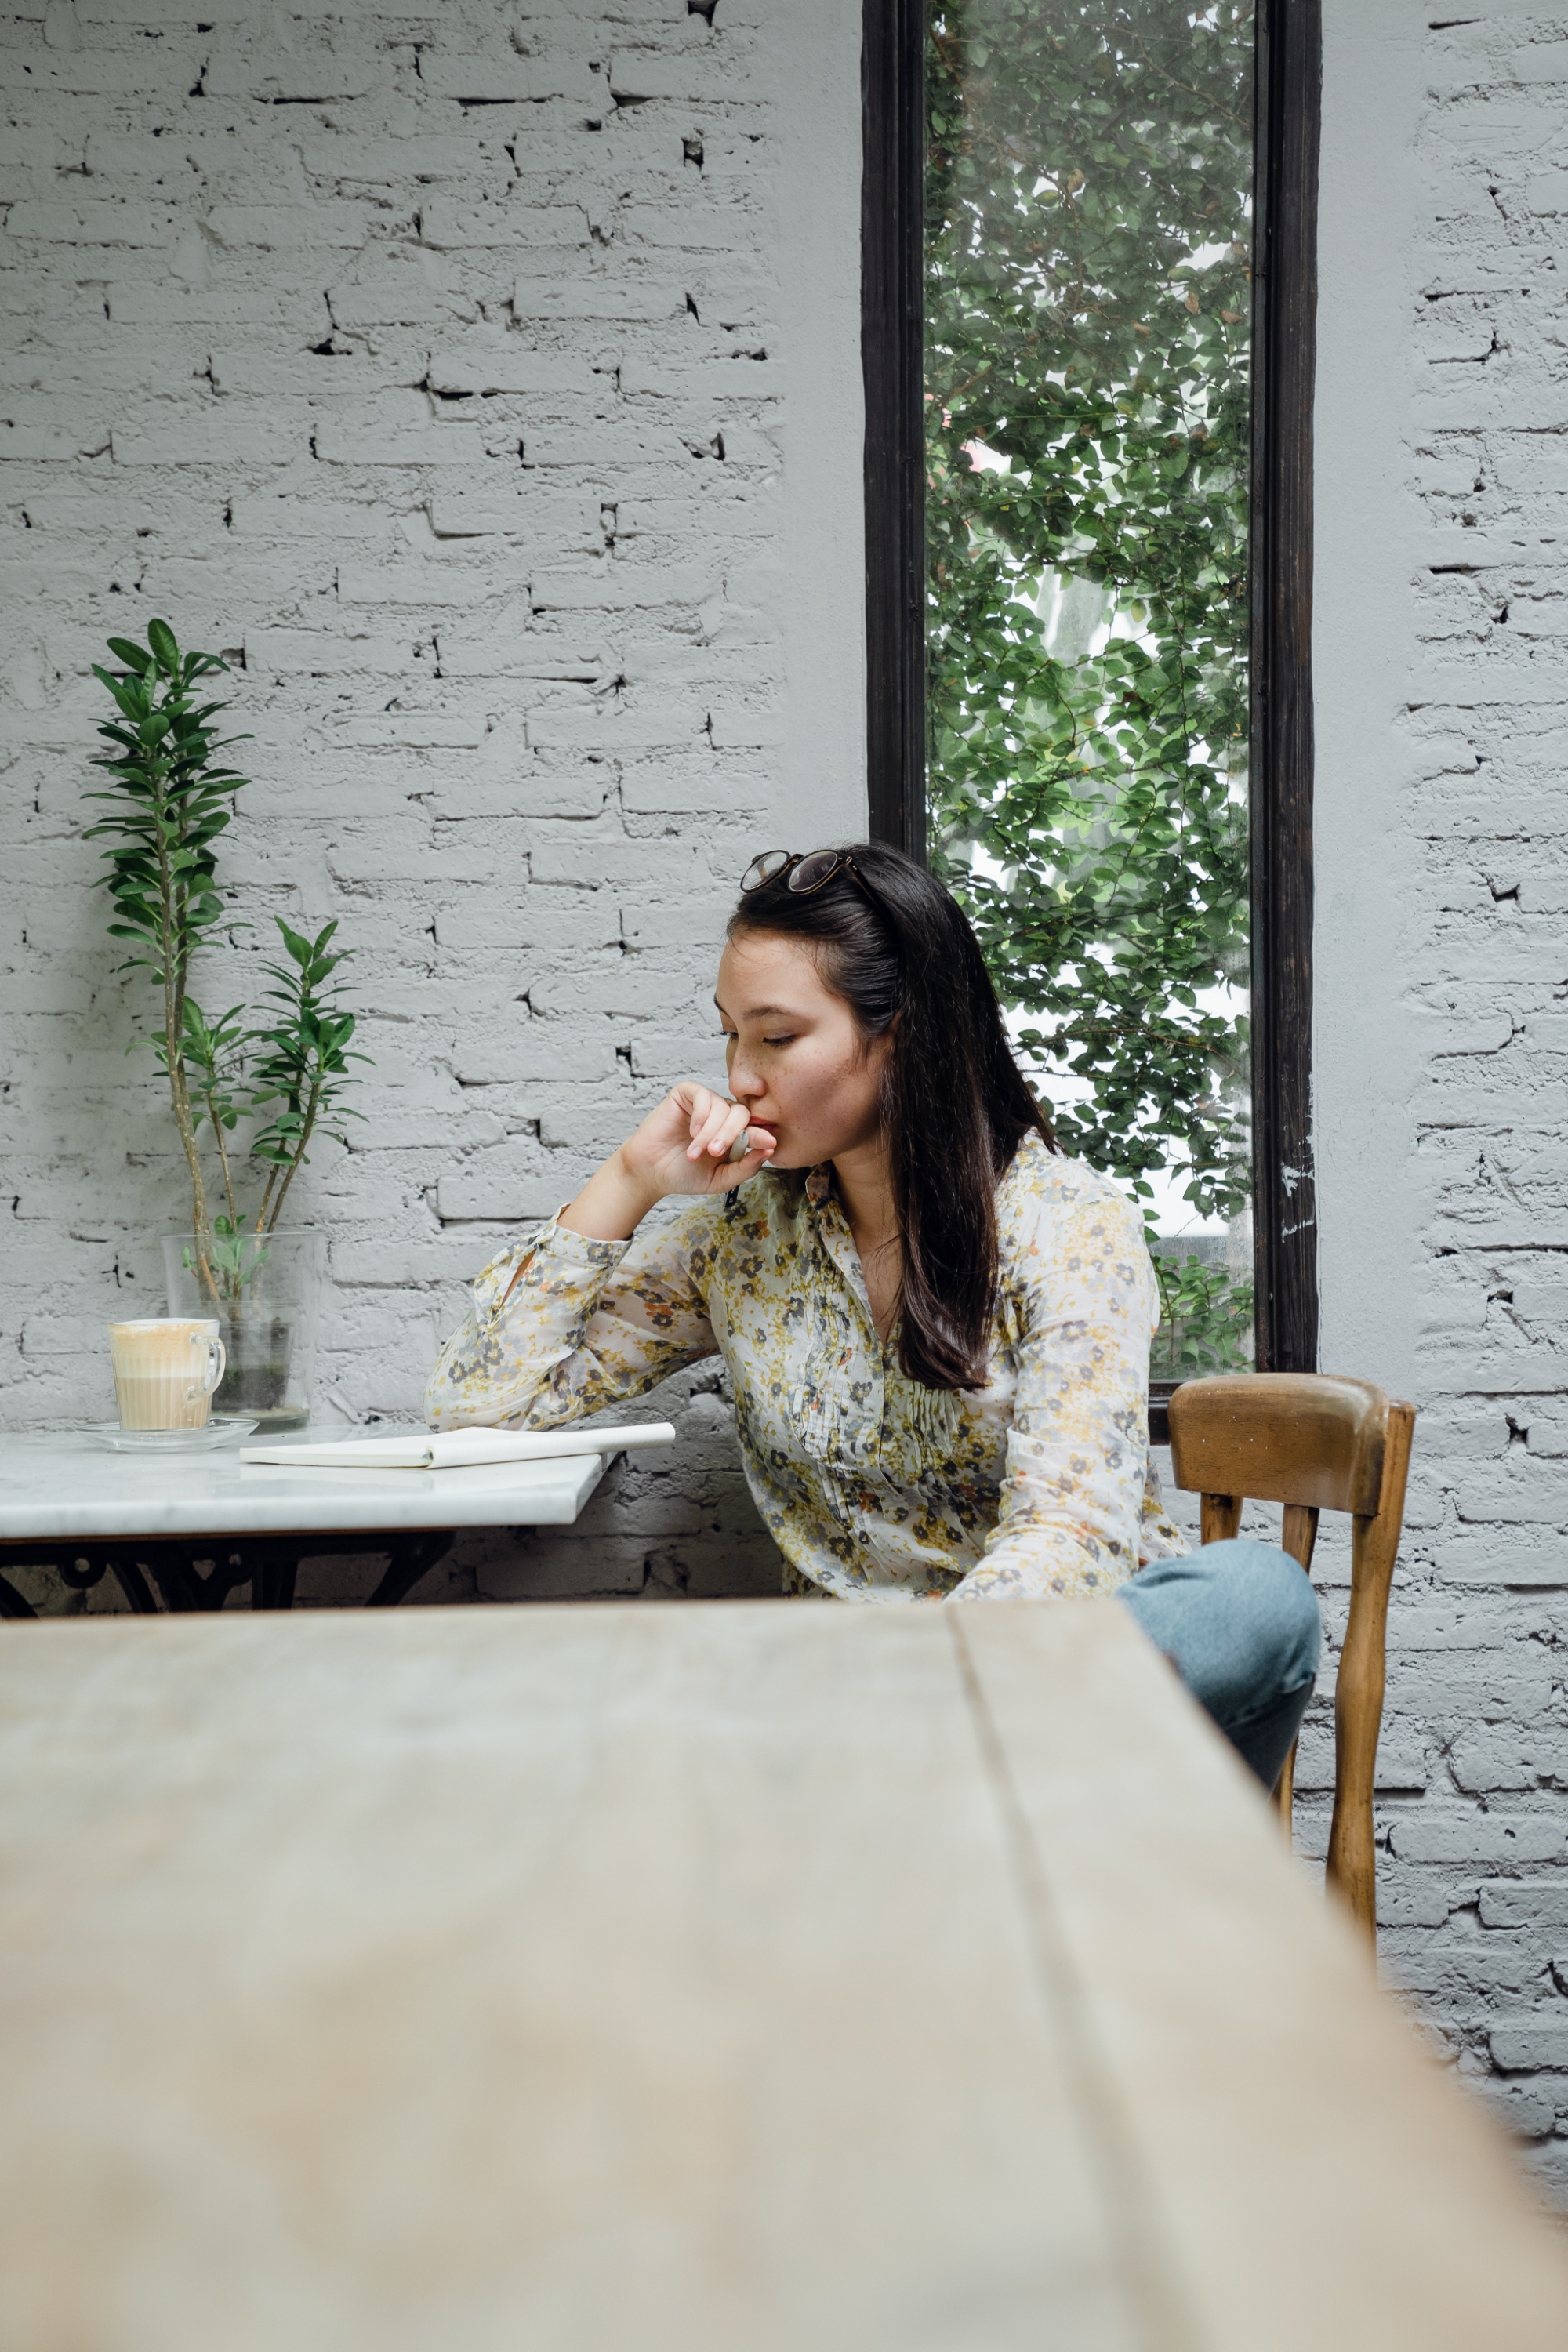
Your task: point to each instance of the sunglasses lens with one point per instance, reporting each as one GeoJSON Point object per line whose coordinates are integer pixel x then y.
{"type": "Point", "coordinates": [814, 871]}
{"type": "Point", "coordinates": [762, 870]}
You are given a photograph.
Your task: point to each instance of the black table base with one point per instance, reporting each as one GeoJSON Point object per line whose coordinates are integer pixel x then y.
{"type": "Point", "coordinates": [199, 1573]}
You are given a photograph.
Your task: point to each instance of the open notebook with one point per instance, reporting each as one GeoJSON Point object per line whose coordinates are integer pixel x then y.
{"type": "Point", "coordinates": [419, 1449]}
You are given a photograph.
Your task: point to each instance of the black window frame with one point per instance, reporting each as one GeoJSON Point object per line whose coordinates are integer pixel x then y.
{"type": "Point", "coordinates": [1288, 111]}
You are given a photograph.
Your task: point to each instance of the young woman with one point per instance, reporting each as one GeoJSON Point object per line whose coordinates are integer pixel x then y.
{"type": "Point", "coordinates": [936, 1327]}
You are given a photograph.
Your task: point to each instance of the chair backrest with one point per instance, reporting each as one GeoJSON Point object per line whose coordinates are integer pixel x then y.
{"type": "Point", "coordinates": [1314, 1441]}
{"type": "Point", "coordinates": [1281, 1437]}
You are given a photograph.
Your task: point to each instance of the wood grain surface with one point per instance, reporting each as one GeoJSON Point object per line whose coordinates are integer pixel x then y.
{"type": "Point", "coordinates": [745, 1974]}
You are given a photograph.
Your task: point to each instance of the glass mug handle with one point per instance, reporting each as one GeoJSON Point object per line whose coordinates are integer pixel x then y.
{"type": "Point", "coordinates": [217, 1361]}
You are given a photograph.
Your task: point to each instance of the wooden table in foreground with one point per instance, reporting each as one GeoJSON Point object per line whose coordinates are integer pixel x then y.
{"type": "Point", "coordinates": [725, 1978]}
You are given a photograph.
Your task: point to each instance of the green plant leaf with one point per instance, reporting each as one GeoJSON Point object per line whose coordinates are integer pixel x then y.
{"type": "Point", "coordinates": [165, 652]}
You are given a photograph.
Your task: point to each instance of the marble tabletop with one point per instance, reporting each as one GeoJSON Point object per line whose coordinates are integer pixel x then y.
{"type": "Point", "coordinates": [56, 1486]}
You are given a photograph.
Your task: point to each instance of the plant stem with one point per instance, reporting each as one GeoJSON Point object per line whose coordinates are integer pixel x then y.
{"type": "Point", "coordinates": [174, 1050]}
{"type": "Point", "coordinates": [223, 1157]}
{"type": "Point", "coordinates": [299, 1154]}
{"type": "Point", "coordinates": [266, 1197]}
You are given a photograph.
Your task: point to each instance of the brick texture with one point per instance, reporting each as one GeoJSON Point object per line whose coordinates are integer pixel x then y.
{"type": "Point", "coordinates": [437, 370]}
{"type": "Point", "coordinates": [1441, 1018]}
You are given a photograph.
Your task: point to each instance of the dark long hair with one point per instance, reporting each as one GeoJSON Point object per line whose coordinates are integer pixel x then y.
{"type": "Point", "coordinates": [955, 1105]}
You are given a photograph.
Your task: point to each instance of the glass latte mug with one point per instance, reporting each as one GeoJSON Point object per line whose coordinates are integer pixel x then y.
{"type": "Point", "coordinates": [165, 1370]}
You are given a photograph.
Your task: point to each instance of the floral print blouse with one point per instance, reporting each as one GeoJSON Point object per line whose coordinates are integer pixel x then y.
{"type": "Point", "coordinates": [874, 1487]}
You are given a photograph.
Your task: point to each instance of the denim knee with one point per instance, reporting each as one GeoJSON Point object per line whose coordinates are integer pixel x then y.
{"type": "Point", "coordinates": [1267, 1593]}
{"type": "Point", "coordinates": [1240, 1619]}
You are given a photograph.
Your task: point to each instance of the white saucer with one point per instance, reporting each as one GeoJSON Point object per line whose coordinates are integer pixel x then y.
{"type": "Point", "coordinates": [168, 1441]}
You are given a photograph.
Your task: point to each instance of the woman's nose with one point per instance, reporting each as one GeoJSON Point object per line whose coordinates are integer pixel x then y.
{"type": "Point", "coordinates": [746, 1084]}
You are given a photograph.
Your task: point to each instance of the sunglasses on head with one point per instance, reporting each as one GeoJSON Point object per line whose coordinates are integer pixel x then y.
{"type": "Point", "coordinates": [802, 875]}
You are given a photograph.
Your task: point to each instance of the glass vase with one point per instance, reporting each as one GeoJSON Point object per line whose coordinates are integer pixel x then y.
{"type": "Point", "coordinates": [266, 1291]}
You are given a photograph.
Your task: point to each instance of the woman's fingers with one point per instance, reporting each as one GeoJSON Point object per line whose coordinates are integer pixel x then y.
{"type": "Point", "coordinates": [716, 1126]}
{"type": "Point", "coordinates": [726, 1150]}
{"type": "Point", "coordinates": [694, 1104]}
{"type": "Point", "coordinates": [731, 1130]}
{"type": "Point", "coordinates": [752, 1161]}
{"type": "Point", "coordinates": [752, 1142]}
{"type": "Point", "coordinates": [683, 1146]}
{"type": "Point", "coordinates": [710, 1115]}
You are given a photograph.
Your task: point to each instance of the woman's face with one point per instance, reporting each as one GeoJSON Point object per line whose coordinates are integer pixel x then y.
{"type": "Point", "coordinates": [796, 1059]}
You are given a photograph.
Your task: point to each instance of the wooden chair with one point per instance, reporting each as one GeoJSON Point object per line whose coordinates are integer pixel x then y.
{"type": "Point", "coordinates": [1315, 1444]}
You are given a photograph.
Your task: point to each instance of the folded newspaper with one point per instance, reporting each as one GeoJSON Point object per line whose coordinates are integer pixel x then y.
{"type": "Point", "coordinates": [454, 1449]}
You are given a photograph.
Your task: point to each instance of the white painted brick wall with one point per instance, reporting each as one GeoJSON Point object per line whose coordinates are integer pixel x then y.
{"type": "Point", "coordinates": [485, 382]}
{"type": "Point", "coordinates": [1442, 1041]}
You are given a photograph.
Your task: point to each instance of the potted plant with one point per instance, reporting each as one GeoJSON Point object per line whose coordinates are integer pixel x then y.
{"type": "Point", "coordinates": [253, 1090]}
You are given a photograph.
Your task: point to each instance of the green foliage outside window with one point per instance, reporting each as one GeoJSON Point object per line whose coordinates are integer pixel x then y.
{"type": "Point", "coordinates": [1088, 318]}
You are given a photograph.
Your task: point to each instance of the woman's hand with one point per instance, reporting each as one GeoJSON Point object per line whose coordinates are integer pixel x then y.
{"type": "Point", "coordinates": [684, 1146]}
{"type": "Point", "coordinates": [681, 1146]}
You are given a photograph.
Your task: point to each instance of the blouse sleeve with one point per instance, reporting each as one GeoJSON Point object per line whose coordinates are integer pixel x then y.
{"type": "Point", "coordinates": [560, 1326]}
{"type": "Point", "coordinates": [1073, 1487]}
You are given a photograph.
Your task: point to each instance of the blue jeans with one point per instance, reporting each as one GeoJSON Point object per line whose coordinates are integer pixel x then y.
{"type": "Point", "coordinates": [1239, 1622]}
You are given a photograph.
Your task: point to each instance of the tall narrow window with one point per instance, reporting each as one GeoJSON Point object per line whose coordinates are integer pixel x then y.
{"type": "Point", "coordinates": [1087, 316]}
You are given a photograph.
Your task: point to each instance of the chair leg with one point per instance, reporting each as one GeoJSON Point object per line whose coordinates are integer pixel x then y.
{"type": "Point", "coordinates": [1358, 1693]}
{"type": "Point", "coordinates": [1298, 1536]}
